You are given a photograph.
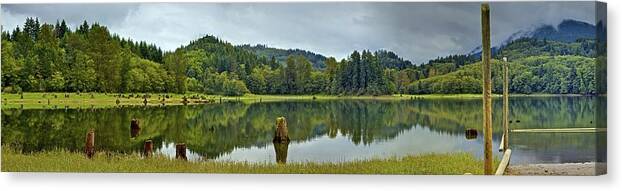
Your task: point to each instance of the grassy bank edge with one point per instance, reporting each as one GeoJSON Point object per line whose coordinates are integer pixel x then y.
{"type": "Point", "coordinates": [65, 161]}
{"type": "Point", "coordinates": [56, 100]}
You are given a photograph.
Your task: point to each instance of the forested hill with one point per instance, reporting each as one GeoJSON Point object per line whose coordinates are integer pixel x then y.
{"type": "Point", "coordinates": [524, 47]}
{"type": "Point", "coordinates": [536, 66]}
{"type": "Point", "coordinates": [317, 60]}
{"type": "Point", "coordinates": [46, 57]}
{"type": "Point", "coordinates": [567, 31]}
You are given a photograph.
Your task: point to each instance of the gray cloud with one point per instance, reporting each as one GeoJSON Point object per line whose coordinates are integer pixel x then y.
{"type": "Point", "coordinates": [417, 31]}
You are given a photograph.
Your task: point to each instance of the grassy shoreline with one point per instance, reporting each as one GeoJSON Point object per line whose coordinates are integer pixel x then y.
{"type": "Point", "coordinates": [64, 161]}
{"type": "Point", "coordinates": [52, 100]}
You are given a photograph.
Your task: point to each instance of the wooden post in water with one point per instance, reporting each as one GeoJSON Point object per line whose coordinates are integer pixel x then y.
{"type": "Point", "coordinates": [486, 89]}
{"type": "Point", "coordinates": [134, 128]}
{"type": "Point", "coordinates": [506, 104]}
{"type": "Point", "coordinates": [180, 151]}
{"type": "Point", "coordinates": [470, 134]}
{"type": "Point", "coordinates": [281, 134]}
{"type": "Point", "coordinates": [90, 144]}
{"type": "Point", "coordinates": [148, 149]}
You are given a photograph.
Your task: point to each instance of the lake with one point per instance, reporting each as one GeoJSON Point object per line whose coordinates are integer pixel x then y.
{"type": "Point", "coordinates": [320, 131]}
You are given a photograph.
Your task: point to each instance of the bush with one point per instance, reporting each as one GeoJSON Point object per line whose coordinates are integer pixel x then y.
{"type": "Point", "coordinates": [12, 89]}
{"type": "Point", "coordinates": [234, 88]}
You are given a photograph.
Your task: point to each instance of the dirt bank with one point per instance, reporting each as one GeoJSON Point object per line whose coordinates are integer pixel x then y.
{"type": "Point", "coordinates": [565, 169]}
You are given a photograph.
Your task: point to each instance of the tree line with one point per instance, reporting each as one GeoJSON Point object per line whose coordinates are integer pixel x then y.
{"type": "Point", "coordinates": [45, 57]}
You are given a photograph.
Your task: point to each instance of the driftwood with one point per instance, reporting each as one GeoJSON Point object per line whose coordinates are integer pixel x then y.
{"type": "Point", "coordinates": [505, 162]}
{"type": "Point", "coordinates": [90, 144]}
{"type": "Point", "coordinates": [281, 134]}
{"type": "Point", "coordinates": [180, 151]}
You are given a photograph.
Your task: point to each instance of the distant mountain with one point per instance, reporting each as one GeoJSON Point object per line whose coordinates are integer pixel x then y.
{"type": "Point", "coordinates": [567, 31]}
{"type": "Point", "coordinates": [317, 60]}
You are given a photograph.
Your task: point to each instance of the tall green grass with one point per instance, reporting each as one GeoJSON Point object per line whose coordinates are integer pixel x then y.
{"type": "Point", "coordinates": [64, 161]}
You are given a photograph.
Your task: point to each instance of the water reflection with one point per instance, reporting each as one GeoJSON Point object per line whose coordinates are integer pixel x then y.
{"type": "Point", "coordinates": [280, 150]}
{"type": "Point", "coordinates": [323, 131]}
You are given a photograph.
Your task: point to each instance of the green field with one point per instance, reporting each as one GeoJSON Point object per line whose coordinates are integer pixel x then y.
{"type": "Point", "coordinates": [64, 161]}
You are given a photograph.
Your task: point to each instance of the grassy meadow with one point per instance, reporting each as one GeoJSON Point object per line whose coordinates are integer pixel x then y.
{"type": "Point", "coordinates": [64, 161]}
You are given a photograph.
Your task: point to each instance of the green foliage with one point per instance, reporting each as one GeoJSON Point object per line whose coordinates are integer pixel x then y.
{"type": "Point", "coordinates": [297, 74]}
{"type": "Point", "coordinates": [361, 74]}
{"type": "Point", "coordinates": [233, 87]}
{"type": "Point", "coordinates": [389, 59]}
{"type": "Point", "coordinates": [11, 66]}
{"type": "Point", "coordinates": [281, 55]}
{"type": "Point", "coordinates": [525, 47]}
{"type": "Point", "coordinates": [535, 74]}
{"type": "Point", "coordinates": [53, 58]}
{"type": "Point", "coordinates": [44, 57]}
{"type": "Point", "coordinates": [176, 64]}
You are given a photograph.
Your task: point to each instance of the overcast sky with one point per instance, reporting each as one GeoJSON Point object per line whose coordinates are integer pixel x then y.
{"type": "Point", "coordinates": [416, 31]}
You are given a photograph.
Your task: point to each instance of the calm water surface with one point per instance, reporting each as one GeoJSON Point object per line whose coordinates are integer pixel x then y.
{"type": "Point", "coordinates": [321, 131]}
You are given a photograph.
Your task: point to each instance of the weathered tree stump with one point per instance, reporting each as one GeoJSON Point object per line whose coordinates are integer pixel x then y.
{"type": "Point", "coordinates": [148, 149]}
{"type": "Point", "coordinates": [281, 135]}
{"type": "Point", "coordinates": [280, 150]}
{"type": "Point", "coordinates": [134, 128]}
{"type": "Point", "coordinates": [180, 151]}
{"type": "Point", "coordinates": [470, 134]}
{"type": "Point", "coordinates": [90, 144]}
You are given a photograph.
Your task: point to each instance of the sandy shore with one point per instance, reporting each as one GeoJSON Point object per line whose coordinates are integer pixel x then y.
{"type": "Point", "coordinates": [565, 169]}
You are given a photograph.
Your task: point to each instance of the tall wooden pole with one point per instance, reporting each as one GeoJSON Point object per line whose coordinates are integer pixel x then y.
{"type": "Point", "coordinates": [506, 104]}
{"type": "Point", "coordinates": [487, 89]}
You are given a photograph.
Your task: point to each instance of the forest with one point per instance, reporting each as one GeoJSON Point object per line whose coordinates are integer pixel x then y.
{"type": "Point", "coordinates": [43, 57]}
